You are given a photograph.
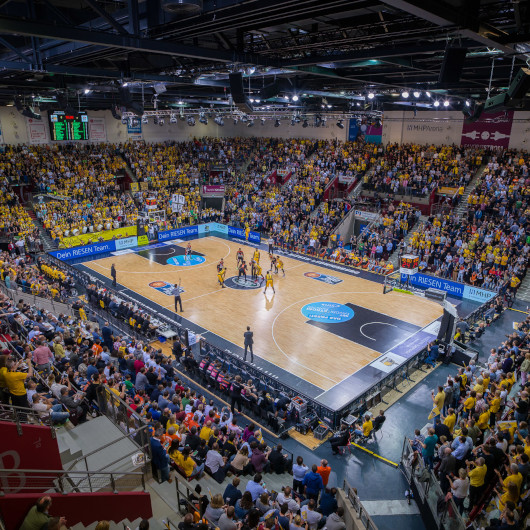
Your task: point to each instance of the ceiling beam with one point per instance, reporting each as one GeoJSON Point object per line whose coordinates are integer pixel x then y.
{"type": "Point", "coordinates": [109, 18]}
{"type": "Point", "coordinates": [126, 42]}
{"type": "Point", "coordinates": [9, 46]}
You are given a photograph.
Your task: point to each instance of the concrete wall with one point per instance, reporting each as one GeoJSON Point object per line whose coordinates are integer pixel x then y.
{"type": "Point", "coordinates": [427, 127]}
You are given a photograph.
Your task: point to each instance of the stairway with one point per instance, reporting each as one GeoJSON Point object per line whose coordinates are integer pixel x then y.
{"type": "Point", "coordinates": [49, 243]}
{"type": "Point", "coordinates": [523, 293]}
{"type": "Point", "coordinates": [394, 258]}
{"type": "Point", "coordinates": [128, 169]}
{"type": "Point", "coordinates": [461, 209]}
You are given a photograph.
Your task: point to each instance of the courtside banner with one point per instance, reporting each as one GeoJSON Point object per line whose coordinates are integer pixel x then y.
{"type": "Point", "coordinates": [87, 250]}
{"type": "Point", "coordinates": [452, 288]}
{"type": "Point", "coordinates": [126, 242]}
{"type": "Point", "coordinates": [240, 234]}
{"type": "Point", "coordinates": [178, 233]}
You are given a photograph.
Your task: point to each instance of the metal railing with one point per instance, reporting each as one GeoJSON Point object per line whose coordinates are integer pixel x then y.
{"type": "Point", "coordinates": [364, 516]}
{"type": "Point", "coordinates": [24, 416]}
{"type": "Point", "coordinates": [38, 480]}
{"type": "Point", "coordinates": [429, 491]}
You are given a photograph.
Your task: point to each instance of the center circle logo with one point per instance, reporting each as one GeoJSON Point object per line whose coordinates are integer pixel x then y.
{"type": "Point", "coordinates": [312, 274]}
{"type": "Point", "coordinates": [157, 284]}
{"type": "Point", "coordinates": [183, 261]}
{"type": "Point", "coordinates": [240, 283]}
{"type": "Point", "coordinates": [327, 312]}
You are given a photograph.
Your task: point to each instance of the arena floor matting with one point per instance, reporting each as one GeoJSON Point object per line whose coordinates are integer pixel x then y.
{"type": "Point", "coordinates": [329, 333]}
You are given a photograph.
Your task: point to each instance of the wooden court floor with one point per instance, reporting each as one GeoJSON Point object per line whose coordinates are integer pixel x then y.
{"type": "Point", "coordinates": [282, 334]}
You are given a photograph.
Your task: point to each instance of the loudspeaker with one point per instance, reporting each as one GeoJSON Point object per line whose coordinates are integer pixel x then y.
{"type": "Point", "coordinates": [238, 93]}
{"type": "Point", "coordinates": [126, 101]}
{"type": "Point", "coordinates": [498, 102]}
{"type": "Point", "coordinates": [270, 91]}
{"type": "Point", "coordinates": [520, 85]}
{"type": "Point", "coordinates": [452, 66]}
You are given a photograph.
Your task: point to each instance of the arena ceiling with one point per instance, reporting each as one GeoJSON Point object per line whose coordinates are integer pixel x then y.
{"type": "Point", "coordinates": [332, 54]}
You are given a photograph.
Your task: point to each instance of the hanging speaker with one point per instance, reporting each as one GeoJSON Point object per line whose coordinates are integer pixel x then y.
{"type": "Point", "coordinates": [452, 66]}
{"type": "Point", "coordinates": [238, 93]}
{"type": "Point", "coordinates": [520, 85]}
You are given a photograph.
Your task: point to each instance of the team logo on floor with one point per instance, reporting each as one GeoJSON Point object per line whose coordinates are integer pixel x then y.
{"type": "Point", "coordinates": [164, 287]}
{"type": "Point", "coordinates": [328, 312]}
{"type": "Point", "coordinates": [240, 283]}
{"type": "Point", "coordinates": [183, 261]}
{"type": "Point", "coordinates": [326, 278]}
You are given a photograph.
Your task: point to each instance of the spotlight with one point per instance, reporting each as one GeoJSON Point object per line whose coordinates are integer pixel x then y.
{"type": "Point", "coordinates": [446, 103]}
{"type": "Point", "coordinates": [405, 94]}
{"type": "Point", "coordinates": [295, 98]}
{"type": "Point", "coordinates": [87, 91]}
{"type": "Point", "coordinates": [468, 103]}
{"type": "Point", "coordinates": [318, 120]}
{"type": "Point", "coordinates": [252, 100]}
{"type": "Point", "coordinates": [417, 94]}
{"type": "Point", "coordinates": [340, 124]}
{"type": "Point", "coordinates": [329, 106]}
{"type": "Point", "coordinates": [286, 98]}
{"type": "Point", "coordinates": [428, 94]}
{"type": "Point", "coordinates": [235, 121]}
{"type": "Point", "coordinates": [203, 118]}
{"type": "Point", "coordinates": [180, 102]}
{"type": "Point", "coordinates": [436, 103]}
{"type": "Point", "coordinates": [257, 100]}
{"type": "Point", "coordinates": [155, 120]}
{"type": "Point", "coordinates": [172, 119]}
{"type": "Point", "coordinates": [145, 120]}
{"type": "Point", "coordinates": [250, 123]}
{"type": "Point", "coordinates": [262, 121]}
{"type": "Point", "coordinates": [277, 123]}
{"type": "Point", "coordinates": [219, 120]}
{"type": "Point", "coordinates": [293, 121]}
{"type": "Point", "coordinates": [191, 121]}
{"type": "Point", "coordinates": [305, 124]}
{"type": "Point", "coordinates": [371, 95]}
{"type": "Point", "coordinates": [161, 121]}
{"type": "Point", "coordinates": [125, 84]}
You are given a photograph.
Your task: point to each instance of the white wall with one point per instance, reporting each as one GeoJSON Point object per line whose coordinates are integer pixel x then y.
{"type": "Point", "coordinates": [427, 127]}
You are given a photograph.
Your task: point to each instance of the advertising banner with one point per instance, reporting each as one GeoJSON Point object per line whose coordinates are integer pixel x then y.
{"type": "Point", "coordinates": [126, 242]}
{"type": "Point", "coordinates": [217, 188]}
{"type": "Point", "coordinates": [240, 234]}
{"type": "Point", "coordinates": [80, 252]}
{"type": "Point", "coordinates": [97, 131]}
{"type": "Point", "coordinates": [178, 233]}
{"type": "Point", "coordinates": [491, 130]}
{"type": "Point", "coordinates": [37, 131]}
{"type": "Point", "coordinates": [452, 288]}
{"type": "Point", "coordinates": [369, 216]}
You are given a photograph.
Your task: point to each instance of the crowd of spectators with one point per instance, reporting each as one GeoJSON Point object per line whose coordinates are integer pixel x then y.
{"type": "Point", "coordinates": [488, 246]}
{"type": "Point", "coordinates": [479, 443]}
{"type": "Point", "coordinates": [416, 170]}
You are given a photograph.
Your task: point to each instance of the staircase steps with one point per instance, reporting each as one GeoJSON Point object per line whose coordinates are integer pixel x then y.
{"type": "Point", "coordinates": [461, 209]}
{"type": "Point", "coordinates": [422, 221]}
{"type": "Point", "coordinates": [523, 293]}
{"type": "Point", "coordinates": [48, 242]}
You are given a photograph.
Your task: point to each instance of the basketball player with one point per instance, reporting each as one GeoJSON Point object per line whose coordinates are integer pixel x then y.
{"type": "Point", "coordinates": [269, 282]}
{"type": "Point", "coordinates": [252, 268]}
{"type": "Point", "coordinates": [220, 265]}
{"type": "Point", "coordinates": [242, 270]}
{"type": "Point", "coordinates": [256, 256]}
{"type": "Point", "coordinates": [221, 273]}
{"type": "Point", "coordinates": [247, 231]}
{"type": "Point", "coordinates": [239, 256]}
{"type": "Point", "coordinates": [279, 265]}
{"type": "Point", "coordinates": [257, 269]}
{"type": "Point", "coordinates": [273, 264]}
{"type": "Point", "coordinates": [187, 252]}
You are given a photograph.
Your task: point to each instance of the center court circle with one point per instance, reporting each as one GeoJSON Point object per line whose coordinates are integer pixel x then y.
{"type": "Point", "coordinates": [240, 283]}
{"type": "Point", "coordinates": [328, 312]}
{"type": "Point", "coordinates": [181, 261]}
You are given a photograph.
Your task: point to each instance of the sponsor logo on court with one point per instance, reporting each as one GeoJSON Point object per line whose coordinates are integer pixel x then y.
{"type": "Point", "coordinates": [328, 312]}
{"type": "Point", "coordinates": [185, 261]}
{"type": "Point", "coordinates": [165, 288]}
{"type": "Point", "coordinates": [326, 278]}
{"type": "Point", "coordinates": [240, 283]}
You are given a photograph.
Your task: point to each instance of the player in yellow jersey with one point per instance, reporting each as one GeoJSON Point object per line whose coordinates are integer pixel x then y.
{"type": "Point", "coordinates": [247, 231]}
{"type": "Point", "coordinates": [221, 277]}
{"type": "Point", "coordinates": [258, 273]}
{"type": "Point", "coordinates": [269, 282]}
{"type": "Point", "coordinates": [279, 265]}
{"type": "Point", "coordinates": [256, 256]}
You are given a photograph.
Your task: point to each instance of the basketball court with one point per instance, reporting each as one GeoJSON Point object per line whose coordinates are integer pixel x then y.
{"type": "Point", "coordinates": [321, 325]}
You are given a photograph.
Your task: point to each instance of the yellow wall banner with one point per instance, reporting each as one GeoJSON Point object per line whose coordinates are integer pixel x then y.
{"type": "Point", "coordinates": [143, 240]}
{"type": "Point", "coordinates": [94, 237]}
{"type": "Point", "coordinates": [134, 186]}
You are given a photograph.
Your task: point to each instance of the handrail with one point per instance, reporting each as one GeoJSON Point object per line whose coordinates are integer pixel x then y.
{"type": "Point", "coordinates": [357, 505]}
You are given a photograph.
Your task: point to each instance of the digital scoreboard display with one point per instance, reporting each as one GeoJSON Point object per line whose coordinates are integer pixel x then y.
{"type": "Point", "coordinates": [68, 126]}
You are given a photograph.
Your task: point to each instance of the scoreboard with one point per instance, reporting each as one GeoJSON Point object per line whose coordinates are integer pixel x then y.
{"type": "Point", "coordinates": [409, 264]}
{"type": "Point", "coordinates": [68, 126]}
